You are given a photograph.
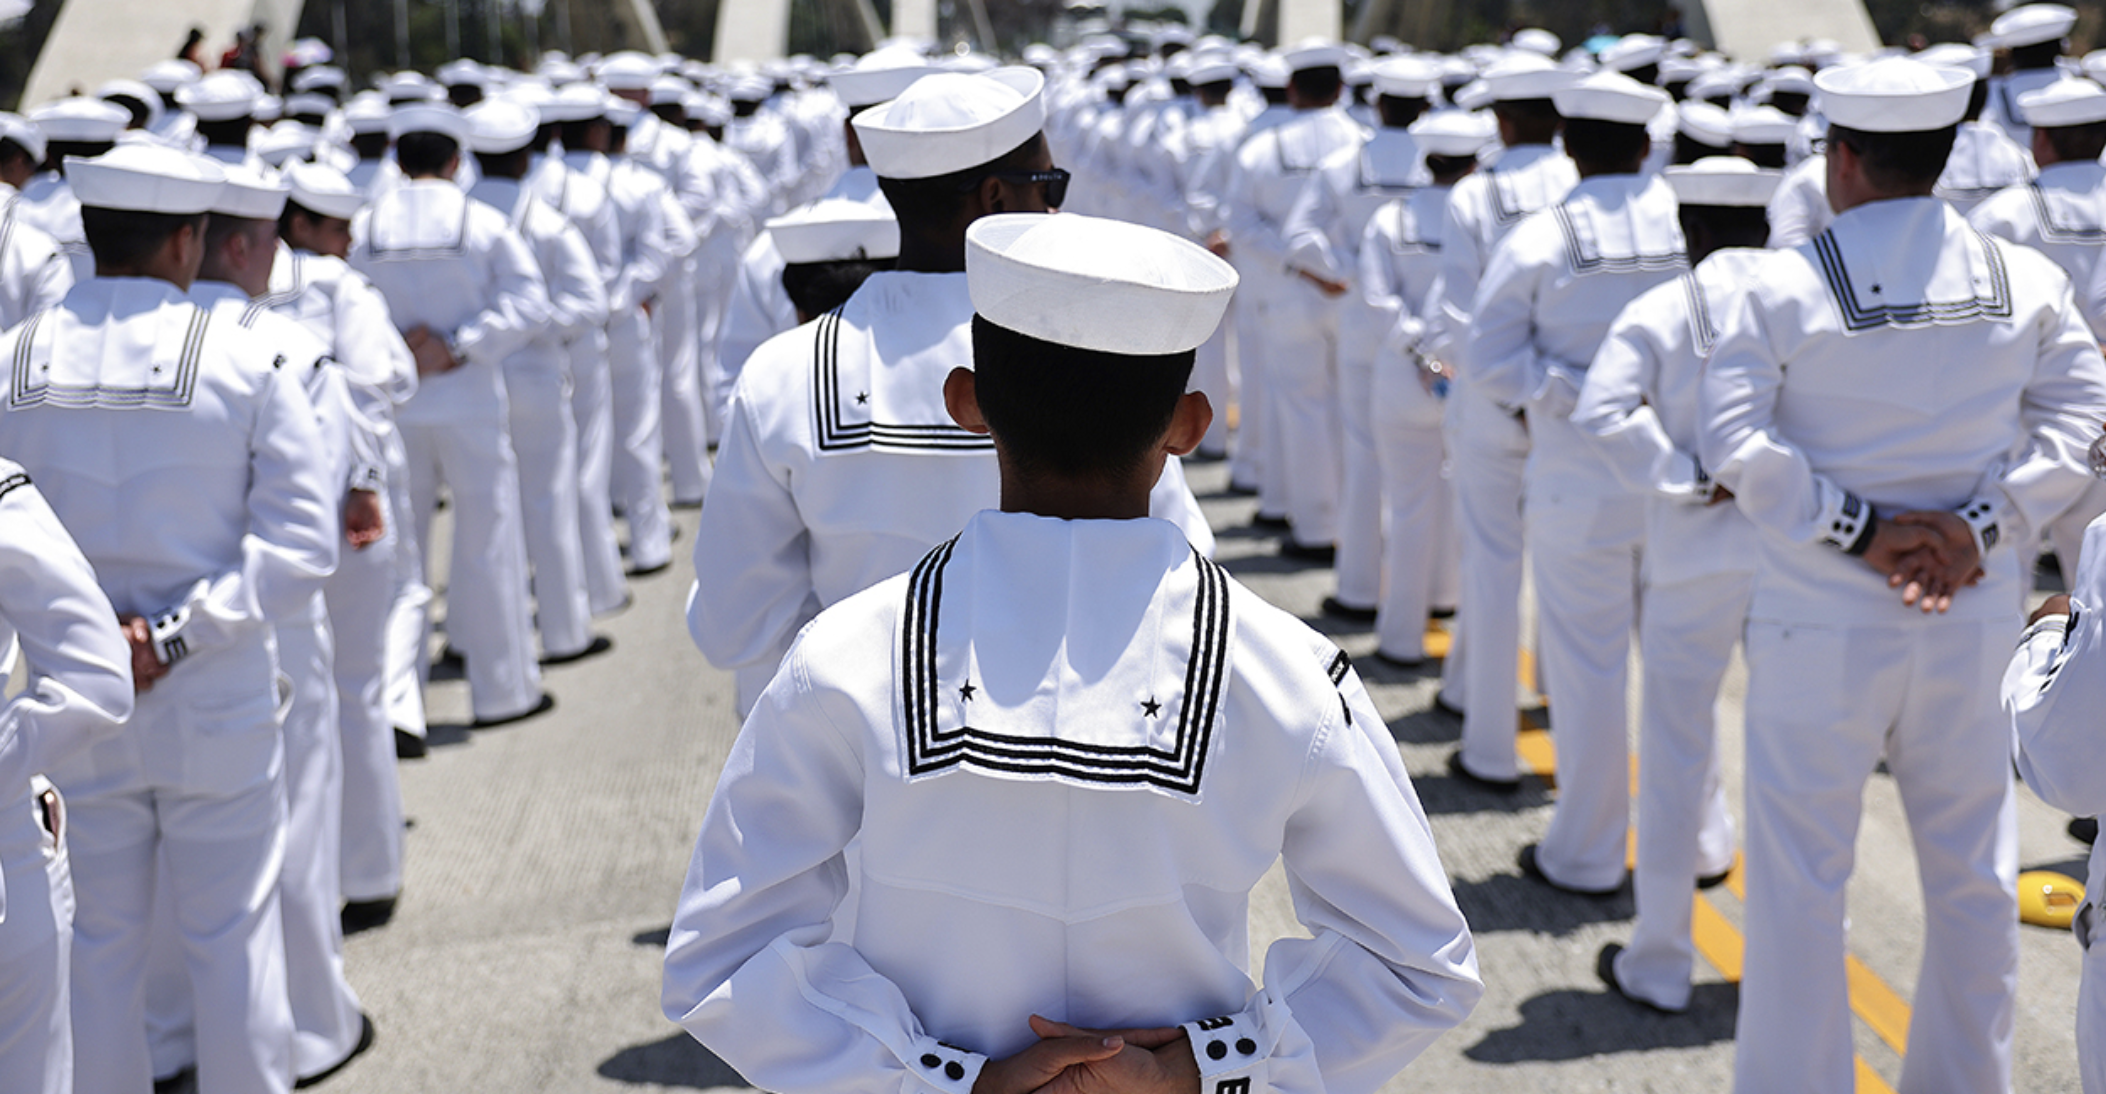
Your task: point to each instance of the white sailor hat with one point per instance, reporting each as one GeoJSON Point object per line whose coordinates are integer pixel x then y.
{"type": "Point", "coordinates": [1705, 123]}
{"type": "Point", "coordinates": [1525, 76]}
{"type": "Point", "coordinates": [575, 103]}
{"type": "Point", "coordinates": [137, 92]}
{"type": "Point", "coordinates": [1763, 125]}
{"type": "Point", "coordinates": [1957, 55]}
{"type": "Point", "coordinates": [367, 112]}
{"type": "Point", "coordinates": [80, 119]}
{"type": "Point", "coordinates": [498, 126]}
{"type": "Point", "coordinates": [1894, 95]}
{"type": "Point", "coordinates": [669, 89]}
{"type": "Point", "coordinates": [621, 113]}
{"type": "Point", "coordinates": [1723, 180]}
{"type": "Point", "coordinates": [951, 121]}
{"type": "Point", "coordinates": [1789, 80]}
{"type": "Point", "coordinates": [287, 140]}
{"type": "Point", "coordinates": [1095, 284]}
{"type": "Point", "coordinates": [407, 87]}
{"type": "Point", "coordinates": [1113, 78]}
{"type": "Point", "coordinates": [1453, 132]}
{"type": "Point", "coordinates": [146, 178]}
{"type": "Point", "coordinates": [1406, 77]}
{"type": "Point", "coordinates": [224, 96]}
{"type": "Point", "coordinates": [710, 110]}
{"type": "Point", "coordinates": [1717, 83]}
{"type": "Point", "coordinates": [628, 70]}
{"type": "Point", "coordinates": [167, 76]}
{"type": "Point", "coordinates": [1314, 53]}
{"type": "Point", "coordinates": [1211, 68]}
{"type": "Point", "coordinates": [559, 71]}
{"type": "Point", "coordinates": [749, 87]}
{"type": "Point", "coordinates": [1170, 34]}
{"type": "Point", "coordinates": [2033, 24]}
{"type": "Point", "coordinates": [308, 103]}
{"type": "Point", "coordinates": [968, 62]}
{"type": "Point", "coordinates": [878, 77]}
{"type": "Point", "coordinates": [269, 108]}
{"type": "Point", "coordinates": [1679, 70]}
{"type": "Point", "coordinates": [1270, 71]}
{"type": "Point", "coordinates": [441, 118]}
{"type": "Point", "coordinates": [1633, 51]}
{"type": "Point", "coordinates": [463, 72]}
{"type": "Point", "coordinates": [319, 76]}
{"type": "Point", "coordinates": [835, 230]}
{"type": "Point", "coordinates": [2068, 101]}
{"type": "Point", "coordinates": [1041, 55]}
{"type": "Point", "coordinates": [22, 131]}
{"type": "Point", "coordinates": [323, 189]}
{"type": "Point", "coordinates": [1536, 40]}
{"type": "Point", "coordinates": [1611, 97]}
{"type": "Point", "coordinates": [250, 194]}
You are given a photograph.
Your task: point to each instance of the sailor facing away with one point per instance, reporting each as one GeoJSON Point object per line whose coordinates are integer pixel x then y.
{"type": "Point", "coordinates": [1118, 716]}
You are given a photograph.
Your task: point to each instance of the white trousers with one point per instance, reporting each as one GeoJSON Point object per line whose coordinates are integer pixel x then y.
{"type": "Point", "coordinates": [2066, 532]}
{"type": "Point", "coordinates": [1301, 364]}
{"type": "Point", "coordinates": [1359, 565]}
{"type": "Point", "coordinates": [1210, 374]}
{"type": "Point", "coordinates": [486, 591]}
{"type": "Point", "coordinates": [1686, 635]}
{"type": "Point", "coordinates": [592, 411]}
{"type": "Point", "coordinates": [1490, 454]}
{"type": "Point", "coordinates": [2091, 1020]}
{"type": "Point", "coordinates": [1253, 403]}
{"type": "Point", "coordinates": [1585, 540]}
{"type": "Point", "coordinates": [545, 442]}
{"type": "Point", "coordinates": [1417, 510]}
{"type": "Point", "coordinates": [404, 690]}
{"type": "Point", "coordinates": [198, 778]}
{"type": "Point", "coordinates": [686, 316]}
{"type": "Point", "coordinates": [1825, 703]}
{"type": "Point", "coordinates": [639, 448]}
{"type": "Point", "coordinates": [36, 951]}
{"type": "Point", "coordinates": [359, 596]}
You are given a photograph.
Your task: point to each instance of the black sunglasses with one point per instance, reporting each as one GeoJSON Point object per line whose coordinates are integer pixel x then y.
{"type": "Point", "coordinates": [1053, 179]}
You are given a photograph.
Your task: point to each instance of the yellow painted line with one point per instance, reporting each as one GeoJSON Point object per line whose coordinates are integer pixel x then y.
{"type": "Point", "coordinates": [1538, 755]}
{"type": "Point", "coordinates": [1877, 1004]}
{"type": "Point", "coordinates": [1717, 940]}
{"type": "Point", "coordinates": [1437, 639]}
{"type": "Point", "coordinates": [1868, 1080]}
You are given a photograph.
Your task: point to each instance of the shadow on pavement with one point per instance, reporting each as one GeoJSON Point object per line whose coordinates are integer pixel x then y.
{"type": "Point", "coordinates": [1510, 902]}
{"type": "Point", "coordinates": [1423, 727]}
{"type": "Point", "coordinates": [1446, 795]}
{"type": "Point", "coordinates": [446, 734]}
{"type": "Point", "coordinates": [656, 939]}
{"type": "Point", "coordinates": [1569, 1025]}
{"type": "Point", "coordinates": [678, 1060]}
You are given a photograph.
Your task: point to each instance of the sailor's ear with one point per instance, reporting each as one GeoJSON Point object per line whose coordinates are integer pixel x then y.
{"type": "Point", "coordinates": [961, 396]}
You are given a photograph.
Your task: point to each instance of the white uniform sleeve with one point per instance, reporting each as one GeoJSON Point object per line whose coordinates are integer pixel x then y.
{"type": "Point", "coordinates": [2055, 692]}
{"type": "Point", "coordinates": [644, 261]}
{"type": "Point", "coordinates": [759, 308]}
{"type": "Point", "coordinates": [1504, 363]}
{"type": "Point", "coordinates": [290, 547]}
{"type": "Point", "coordinates": [518, 308]}
{"type": "Point", "coordinates": [1171, 499]}
{"type": "Point", "coordinates": [577, 295]}
{"type": "Point", "coordinates": [1380, 289]}
{"type": "Point", "coordinates": [80, 683]}
{"type": "Point", "coordinates": [1258, 241]}
{"type": "Point", "coordinates": [1307, 231]}
{"type": "Point", "coordinates": [1390, 966]}
{"type": "Point", "coordinates": [367, 344]}
{"type": "Point", "coordinates": [753, 563]}
{"type": "Point", "coordinates": [1613, 409]}
{"type": "Point", "coordinates": [1462, 264]}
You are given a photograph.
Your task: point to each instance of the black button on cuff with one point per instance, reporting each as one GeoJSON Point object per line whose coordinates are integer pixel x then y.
{"type": "Point", "coordinates": [1247, 1047]}
{"type": "Point", "coordinates": [1216, 1050]}
{"type": "Point", "coordinates": [954, 1070]}
{"type": "Point", "coordinates": [929, 1060]}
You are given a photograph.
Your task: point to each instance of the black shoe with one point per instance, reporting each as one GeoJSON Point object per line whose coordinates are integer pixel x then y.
{"type": "Point", "coordinates": [600, 644]}
{"type": "Point", "coordinates": [2084, 829]}
{"type": "Point", "coordinates": [1343, 610]}
{"type": "Point", "coordinates": [1323, 553]}
{"type": "Point", "coordinates": [1267, 520]}
{"type": "Point", "coordinates": [364, 915]}
{"type": "Point", "coordinates": [1605, 967]}
{"type": "Point", "coordinates": [449, 658]}
{"type": "Point", "coordinates": [547, 703]}
{"type": "Point", "coordinates": [1441, 613]}
{"type": "Point", "coordinates": [1532, 869]}
{"type": "Point", "coordinates": [1410, 664]}
{"type": "Point", "coordinates": [1713, 881]}
{"type": "Point", "coordinates": [1239, 490]}
{"type": "Point", "coordinates": [182, 1082]}
{"type": "Point", "coordinates": [409, 746]}
{"type": "Point", "coordinates": [1206, 455]}
{"type": "Point", "coordinates": [682, 503]}
{"type": "Point", "coordinates": [1458, 771]}
{"type": "Point", "coordinates": [646, 571]}
{"type": "Point", "coordinates": [1441, 703]}
{"type": "Point", "coordinates": [365, 1041]}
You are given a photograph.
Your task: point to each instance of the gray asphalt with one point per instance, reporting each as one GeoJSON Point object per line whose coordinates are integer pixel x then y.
{"type": "Point", "coordinates": [545, 859]}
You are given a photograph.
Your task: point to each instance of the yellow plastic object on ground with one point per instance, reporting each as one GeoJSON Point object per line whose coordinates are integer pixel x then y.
{"type": "Point", "coordinates": [2048, 899]}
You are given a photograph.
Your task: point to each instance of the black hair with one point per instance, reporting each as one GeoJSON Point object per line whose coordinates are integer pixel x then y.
{"type": "Point", "coordinates": [425, 154]}
{"type": "Point", "coordinates": [1762, 155]}
{"type": "Point", "coordinates": [1646, 74]}
{"type": "Point", "coordinates": [1535, 121]}
{"type": "Point", "coordinates": [11, 150]}
{"type": "Point", "coordinates": [940, 201]}
{"type": "Point", "coordinates": [1604, 145]}
{"type": "Point", "coordinates": [126, 237]}
{"type": "Point", "coordinates": [294, 211]}
{"type": "Point", "coordinates": [1724, 226]}
{"type": "Point", "coordinates": [2037, 55]}
{"type": "Point", "coordinates": [575, 133]}
{"type": "Point", "coordinates": [55, 152]}
{"type": "Point", "coordinates": [505, 165]}
{"type": "Point", "coordinates": [742, 108]}
{"type": "Point", "coordinates": [1899, 162]}
{"type": "Point", "coordinates": [1449, 167]}
{"type": "Point", "coordinates": [1274, 96]}
{"type": "Point", "coordinates": [1321, 82]}
{"type": "Point", "coordinates": [218, 228]}
{"type": "Point", "coordinates": [1689, 150]}
{"type": "Point", "coordinates": [1216, 91]}
{"type": "Point", "coordinates": [1791, 102]}
{"type": "Point", "coordinates": [816, 288]}
{"type": "Point", "coordinates": [1397, 111]}
{"type": "Point", "coordinates": [1074, 413]}
{"type": "Point", "coordinates": [463, 95]}
{"type": "Point", "coordinates": [132, 105]}
{"type": "Point", "coordinates": [673, 112]}
{"type": "Point", "coordinates": [1977, 98]}
{"type": "Point", "coordinates": [370, 146]}
{"type": "Point", "coordinates": [2077, 143]}
{"type": "Point", "coordinates": [233, 131]}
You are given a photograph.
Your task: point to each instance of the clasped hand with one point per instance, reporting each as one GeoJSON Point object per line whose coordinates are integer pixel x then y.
{"type": "Point", "coordinates": [1928, 554]}
{"type": "Point", "coordinates": [431, 352]}
{"type": "Point", "coordinates": [1069, 1060]}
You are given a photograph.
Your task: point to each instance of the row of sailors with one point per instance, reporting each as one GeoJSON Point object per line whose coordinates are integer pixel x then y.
{"type": "Point", "coordinates": [526, 341]}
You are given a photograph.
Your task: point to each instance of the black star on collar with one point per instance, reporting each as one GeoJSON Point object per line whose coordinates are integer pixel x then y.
{"type": "Point", "coordinates": [1151, 708]}
{"type": "Point", "coordinates": [862, 397]}
{"type": "Point", "coordinates": [966, 692]}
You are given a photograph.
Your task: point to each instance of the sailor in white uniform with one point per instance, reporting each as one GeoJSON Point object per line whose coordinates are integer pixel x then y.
{"type": "Point", "coordinates": [225, 104]}
{"type": "Point", "coordinates": [1545, 303]}
{"type": "Point", "coordinates": [464, 288]}
{"type": "Point", "coordinates": [2037, 35]}
{"type": "Point", "coordinates": [2051, 691]}
{"type": "Point", "coordinates": [80, 694]}
{"type": "Point", "coordinates": [214, 500]}
{"type": "Point", "coordinates": [1901, 399]}
{"type": "Point", "coordinates": [1323, 237]}
{"type": "Point", "coordinates": [34, 272]}
{"type": "Point", "coordinates": [380, 583]}
{"type": "Point", "coordinates": [1487, 445]}
{"type": "Point", "coordinates": [1640, 403]}
{"type": "Point", "coordinates": [2062, 214]}
{"type": "Point", "coordinates": [841, 465]}
{"type": "Point", "coordinates": [1067, 909]}
{"type": "Point", "coordinates": [1984, 160]}
{"type": "Point", "coordinates": [1400, 264]}
{"type": "Point", "coordinates": [241, 248]}
{"type": "Point", "coordinates": [537, 377]}
{"type": "Point", "coordinates": [77, 127]}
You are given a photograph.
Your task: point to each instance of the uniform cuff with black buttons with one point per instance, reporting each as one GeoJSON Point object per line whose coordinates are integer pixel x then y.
{"type": "Point", "coordinates": [167, 629]}
{"type": "Point", "coordinates": [1232, 1058]}
{"type": "Point", "coordinates": [1849, 525]}
{"type": "Point", "coordinates": [946, 1067]}
{"type": "Point", "coordinates": [1980, 515]}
